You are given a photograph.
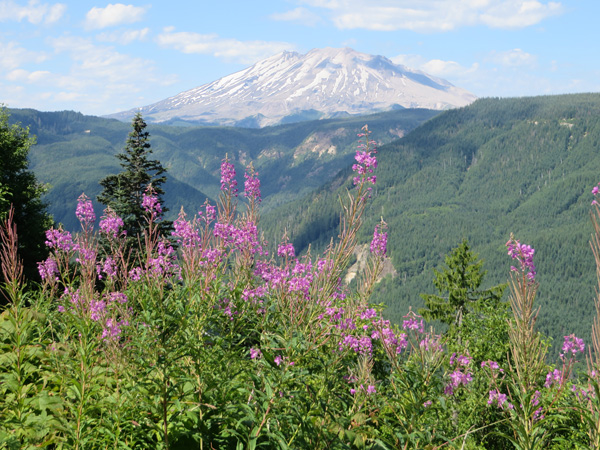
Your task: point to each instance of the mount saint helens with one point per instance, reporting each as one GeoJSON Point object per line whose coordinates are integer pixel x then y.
{"type": "Point", "coordinates": [290, 87]}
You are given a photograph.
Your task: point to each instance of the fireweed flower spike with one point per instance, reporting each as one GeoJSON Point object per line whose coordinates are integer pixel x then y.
{"type": "Point", "coordinates": [150, 203]}
{"type": "Point", "coordinates": [111, 223]}
{"type": "Point", "coordinates": [573, 345]}
{"type": "Point", "coordinates": [85, 212]}
{"type": "Point", "coordinates": [379, 242]}
{"type": "Point", "coordinates": [59, 239]}
{"type": "Point", "coordinates": [252, 184]}
{"type": "Point", "coordinates": [366, 161]}
{"type": "Point", "coordinates": [228, 181]}
{"type": "Point", "coordinates": [524, 255]}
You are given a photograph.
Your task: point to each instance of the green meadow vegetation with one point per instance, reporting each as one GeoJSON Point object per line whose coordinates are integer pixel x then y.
{"type": "Point", "coordinates": [205, 334]}
{"type": "Point", "coordinates": [478, 173]}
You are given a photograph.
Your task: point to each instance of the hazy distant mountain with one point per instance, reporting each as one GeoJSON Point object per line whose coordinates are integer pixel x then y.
{"type": "Point", "coordinates": [290, 87]}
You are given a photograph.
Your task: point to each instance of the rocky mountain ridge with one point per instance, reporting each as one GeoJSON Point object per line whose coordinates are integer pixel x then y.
{"type": "Point", "coordinates": [290, 87]}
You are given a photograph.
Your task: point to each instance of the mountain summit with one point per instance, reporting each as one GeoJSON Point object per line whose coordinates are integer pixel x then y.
{"type": "Point", "coordinates": [290, 87]}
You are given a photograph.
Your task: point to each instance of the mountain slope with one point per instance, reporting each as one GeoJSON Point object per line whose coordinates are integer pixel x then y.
{"type": "Point", "coordinates": [74, 152]}
{"type": "Point", "coordinates": [293, 87]}
{"type": "Point", "coordinates": [498, 166]}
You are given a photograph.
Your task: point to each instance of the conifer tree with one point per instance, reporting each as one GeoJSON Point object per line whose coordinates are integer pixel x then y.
{"type": "Point", "coordinates": [458, 285]}
{"type": "Point", "coordinates": [124, 192]}
{"type": "Point", "coordinates": [19, 188]}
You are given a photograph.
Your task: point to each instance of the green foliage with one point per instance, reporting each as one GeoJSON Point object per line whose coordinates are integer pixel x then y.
{"type": "Point", "coordinates": [74, 152]}
{"type": "Point", "coordinates": [124, 192]}
{"type": "Point", "coordinates": [19, 187]}
{"type": "Point", "coordinates": [498, 166]}
{"type": "Point", "coordinates": [219, 346]}
{"type": "Point", "coordinates": [460, 281]}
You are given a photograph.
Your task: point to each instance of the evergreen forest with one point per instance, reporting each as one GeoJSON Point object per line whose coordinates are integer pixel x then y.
{"type": "Point", "coordinates": [430, 284]}
{"type": "Point", "coordinates": [525, 166]}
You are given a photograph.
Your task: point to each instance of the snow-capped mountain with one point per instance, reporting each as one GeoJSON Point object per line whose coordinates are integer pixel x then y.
{"type": "Point", "coordinates": [322, 83]}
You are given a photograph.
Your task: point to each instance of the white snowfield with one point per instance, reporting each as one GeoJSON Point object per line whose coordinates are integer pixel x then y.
{"type": "Point", "coordinates": [326, 80]}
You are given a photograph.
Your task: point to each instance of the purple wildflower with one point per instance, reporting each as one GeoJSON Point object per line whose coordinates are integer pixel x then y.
{"type": "Point", "coordinates": [150, 203]}
{"type": "Point", "coordinates": [112, 329]}
{"type": "Point", "coordinates": [228, 181]}
{"type": "Point", "coordinates": [85, 212]}
{"type": "Point", "coordinates": [573, 345]}
{"type": "Point", "coordinates": [556, 376]}
{"type": "Point", "coordinates": [535, 399]}
{"type": "Point", "coordinates": [255, 353]}
{"type": "Point", "coordinates": [252, 185]}
{"type": "Point", "coordinates": [499, 399]}
{"type": "Point", "coordinates": [286, 250]}
{"type": "Point", "coordinates": [48, 270]}
{"type": "Point", "coordinates": [493, 365]}
{"type": "Point", "coordinates": [411, 322]}
{"type": "Point", "coordinates": [110, 223]}
{"type": "Point", "coordinates": [524, 254]}
{"type": "Point", "coordinates": [186, 234]}
{"type": "Point", "coordinates": [379, 242]}
{"type": "Point", "coordinates": [136, 273]}
{"type": "Point", "coordinates": [59, 239]}
{"type": "Point", "coordinates": [366, 162]}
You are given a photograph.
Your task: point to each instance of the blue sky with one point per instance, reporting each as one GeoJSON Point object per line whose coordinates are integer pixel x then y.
{"type": "Point", "coordinates": [100, 58]}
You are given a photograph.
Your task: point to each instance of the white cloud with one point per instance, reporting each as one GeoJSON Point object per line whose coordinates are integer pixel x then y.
{"type": "Point", "coordinates": [12, 56]}
{"type": "Point", "coordinates": [34, 12]}
{"type": "Point", "coordinates": [513, 58]}
{"type": "Point", "coordinates": [519, 13]}
{"type": "Point", "coordinates": [299, 15]}
{"type": "Point", "coordinates": [99, 80]}
{"type": "Point", "coordinates": [501, 74]}
{"type": "Point", "coordinates": [102, 63]}
{"type": "Point", "coordinates": [245, 52]}
{"type": "Point", "coordinates": [112, 15]}
{"type": "Point", "coordinates": [29, 77]}
{"type": "Point", "coordinates": [123, 37]}
{"type": "Point", "coordinates": [436, 15]}
{"type": "Point", "coordinates": [450, 70]}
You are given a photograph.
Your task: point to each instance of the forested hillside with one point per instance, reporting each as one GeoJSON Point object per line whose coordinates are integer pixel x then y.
{"type": "Point", "coordinates": [74, 152]}
{"type": "Point", "coordinates": [525, 166]}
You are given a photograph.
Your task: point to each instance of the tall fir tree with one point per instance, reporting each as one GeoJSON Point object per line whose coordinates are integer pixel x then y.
{"type": "Point", "coordinates": [458, 285]}
{"type": "Point", "coordinates": [124, 192]}
{"type": "Point", "coordinates": [19, 188]}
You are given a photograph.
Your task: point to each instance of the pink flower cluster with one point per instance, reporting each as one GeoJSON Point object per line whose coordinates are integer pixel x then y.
{"type": "Point", "coordinates": [187, 235]}
{"type": "Point", "coordinates": [286, 250]}
{"type": "Point", "coordinates": [228, 181]}
{"type": "Point", "coordinates": [524, 255]}
{"type": "Point", "coordinates": [151, 204]}
{"type": "Point", "coordinates": [252, 185]}
{"type": "Point", "coordinates": [500, 399]}
{"type": "Point", "coordinates": [573, 345]}
{"type": "Point", "coordinates": [554, 377]}
{"type": "Point", "coordinates": [85, 212]}
{"type": "Point", "coordinates": [110, 223]}
{"type": "Point", "coordinates": [365, 159]}
{"type": "Point", "coordinates": [413, 322]}
{"type": "Point", "coordinates": [379, 242]}
{"type": "Point", "coordinates": [369, 390]}
{"type": "Point", "coordinates": [48, 269]}
{"type": "Point", "coordinates": [461, 374]}
{"type": "Point", "coordinates": [59, 239]}
{"type": "Point", "coordinates": [244, 238]}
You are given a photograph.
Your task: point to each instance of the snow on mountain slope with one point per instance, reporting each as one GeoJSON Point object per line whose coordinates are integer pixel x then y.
{"type": "Point", "coordinates": [324, 82]}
